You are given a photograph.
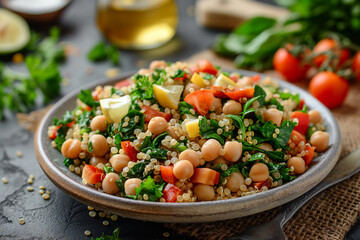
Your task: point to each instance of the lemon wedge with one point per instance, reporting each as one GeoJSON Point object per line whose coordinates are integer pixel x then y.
{"type": "Point", "coordinates": [192, 127]}
{"type": "Point", "coordinates": [198, 80]}
{"type": "Point", "coordinates": [114, 109]}
{"type": "Point", "coordinates": [168, 96]}
{"type": "Point", "coordinates": [224, 81]}
{"type": "Point", "coordinates": [14, 32]}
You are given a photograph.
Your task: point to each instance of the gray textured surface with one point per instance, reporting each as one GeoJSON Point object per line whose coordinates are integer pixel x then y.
{"type": "Point", "coordinates": [61, 217]}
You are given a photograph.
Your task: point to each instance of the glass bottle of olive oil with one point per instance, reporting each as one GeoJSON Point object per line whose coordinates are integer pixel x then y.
{"type": "Point", "coordinates": [137, 24]}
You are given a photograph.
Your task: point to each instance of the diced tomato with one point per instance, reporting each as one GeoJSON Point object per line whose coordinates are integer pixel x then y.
{"type": "Point", "coordinates": [92, 174]}
{"type": "Point", "coordinates": [297, 137]}
{"type": "Point", "coordinates": [183, 78]}
{"type": "Point", "coordinates": [95, 94]}
{"type": "Point", "coordinates": [171, 192]}
{"type": "Point", "coordinates": [235, 78]}
{"type": "Point", "coordinates": [70, 123]}
{"type": "Point", "coordinates": [205, 176]}
{"type": "Point", "coordinates": [309, 157]}
{"type": "Point", "coordinates": [150, 113]}
{"type": "Point", "coordinates": [206, 67]}
{"type": "Point", "coordinates": [259, 185]}
{"type": "Point", "coordinates": [201, 100]}
{"type": "Point", "coordinates": [53, 134]}
{"type": "Point", "coordinates": [123, 83]}
{"type": "Point", "coordinates": [256, 78]}
{"type": "Point", "coordinates": [219, 92]}
{"type": "Point", "coordinates": [167, 174]}
{"type": "Point", "coordinates": [129, 150]}
{"type": "Point", "coordinates": [304, 121]}
{"type": "Point", "coordinates": [301, 104]}
{"type": "Point", "coordinates": [238, 93]}
{"type": "Point", "coordinates": [87, 108]}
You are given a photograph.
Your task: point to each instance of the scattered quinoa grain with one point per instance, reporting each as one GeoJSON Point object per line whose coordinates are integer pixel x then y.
{"type": "Point", "coordinates": [30, 189]}
{"type": "Point", "coordinates": [114, 217]}
{"type": "Point", "coordinates": [166, 234]}
{"type": "Point", "coordinates": [22, 221]}
{"type": "Point", "coordinates": [5, 180]}
{"type": "Point", "coordinates": [92, 214]}
{"type": "Point", "coordinates": [105, 223]}
{"type": "Point", "coordinates": [19, 154]}
{"type": "Point", "coordinates": [46, 196]}
{"type": "Point", "coordinates": [87, 232]}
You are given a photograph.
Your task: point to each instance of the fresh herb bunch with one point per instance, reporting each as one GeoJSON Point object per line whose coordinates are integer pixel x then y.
{"type": "Point", "coordinates": [255, 41]}
{"type": "Point", "coordinates": [102, 52]}
{"type": "Point", "coordinates": [18, 92]}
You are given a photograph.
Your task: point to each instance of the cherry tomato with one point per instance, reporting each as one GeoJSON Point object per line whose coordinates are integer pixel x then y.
{"type": "Point", "coordinates": [238, 93]}
{"type": "Point", "coordinates": [167, 174]}
{"type": "Point", "coordinates": [328, 44]}
{"type": "Point", "coordinates": [171, 193]}
{"type": "Point", "coordinates": [329, 88]}
{"type": "Point", "coordinates": [356, 66]}
{"type": "Point", "coordinates": [206, 67]}
{"type": "Point", "coordinates": [289, 66]}
{"type": "Point", "coordinates": [297, 137]}
{"type": "Point", "coordinates": [201, 100]}
{"type": "Point", "coordinates": [150, 113]}
{"type": "Point", "coordinates": [92, 174]}
{"type": "Point", "coordinates": [95, 94]}
{"type": "Point", "coordinates": [259, 185]}
{"type": "Point", "coordinates": [129, 150]}
{"type": "Point", "coordinates": [304, 121]}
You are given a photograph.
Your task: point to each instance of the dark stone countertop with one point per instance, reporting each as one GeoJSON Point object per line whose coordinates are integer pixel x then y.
{"type": "Point", "coordinates": [62, 217]}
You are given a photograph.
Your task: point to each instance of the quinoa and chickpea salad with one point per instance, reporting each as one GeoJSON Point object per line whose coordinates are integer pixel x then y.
{"type": "Point", "coordinates": [186, 133]}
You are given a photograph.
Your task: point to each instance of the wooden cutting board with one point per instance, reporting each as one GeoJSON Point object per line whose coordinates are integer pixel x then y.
{"type": "Point", "coordinates": [227, 14]}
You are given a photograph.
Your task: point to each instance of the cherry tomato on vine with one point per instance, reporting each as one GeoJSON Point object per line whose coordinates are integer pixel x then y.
{"type": "Point", "coordinates": [289, 66]}
{"type": "Point", "coordinates": [329, 88]}
{"type": "Point", "coordinates": [328, 44]}
{"type": "Point", "coordinates": [356, 66]}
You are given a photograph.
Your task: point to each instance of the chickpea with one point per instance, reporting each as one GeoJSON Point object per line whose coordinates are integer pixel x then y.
{"type": "Point", "coordinates": [131, 184]}
{"type": "Point", "coordinates": [234, 181]}
{"type": "Point", "coordinates": [232, 151]}
{"type": "Point", "coordinates": [157, 64]}
{"type": "Point", "coordinates": [158, 125]}
{"type": "Point", "coordinates": [183, 169]}
{"type": "Point", "coordinates": [315, 116]}
{"type": "Point", "coordinates": [266, 147]}
{"type": "Point", "coordinates": [273, 115]}
{"type": "Point", "coordinates": [245, 82]}
{"type": "Point", "coordinates": [71, 148]}
{"type": "Point", "coordinates": [320, 140]}
{"type": "Point", "coordinates": [191, 156]}
{"type": "Point", "coordinates": [259, 172]}
{"type": "Point", "coordinates": [204, 192]}
{"type": "Point", "coordinates": [232, 107]}
{"type": "Point", "coordinates": [172, 132]}
{"type": "Point", "coordinates": [98, 123]}
{"type": "Point", "coordinates": [109, 185]}
{"type": "Point", "coordinates": [216, 105]}
{"type": "Point", "coordinates": [298, 163]}
{"type": "Point", "coordinates": [188, 86]}
{"type": "Point", "coordinates": [218, 160]}
{"type": "Point", "coordinates": [210, 150]}
{"type": "Point", "coordinates": [119, 161]}
{"type": "Point", "coordinates": [96, 160]}
{"type": "Point", "coordinates": [99, 145]}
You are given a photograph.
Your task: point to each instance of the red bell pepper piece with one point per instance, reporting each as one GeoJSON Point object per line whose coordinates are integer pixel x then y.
{"type": "Point", "coordinates": [150, 113]}
{"type": "Point", "coordinates": [297, 137]}
{"type": "Point", "coordinates": [238, 93]}
{"type": "Point", "coordinates": [259, 185]}
{"type": "Point", "coordinates": [201, 100]}
{"type": "Point", "coordinates": [92, 174]}
{"type": "Point", "coordinates": [205, 176]}
{"type": "Point", "coordinates": [309, 157]}
{"type": "Point", "coordinates": [129, 150]}
{"type": "Point", "coordinates": [171, 192]}
{"type": "Point", "coordinates": [304, 121]}
{"type": "Point", "coordinates": [167, 174]}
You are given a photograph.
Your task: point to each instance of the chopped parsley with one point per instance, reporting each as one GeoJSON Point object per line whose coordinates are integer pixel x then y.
{"type": "Point", "coordinates": [86, 97]}
{"type": "Point", "coordinates": [127, 132]}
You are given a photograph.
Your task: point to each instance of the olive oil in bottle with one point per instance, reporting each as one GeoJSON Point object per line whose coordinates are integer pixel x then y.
{"type": "Point", "coordinates": [137, 24]}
